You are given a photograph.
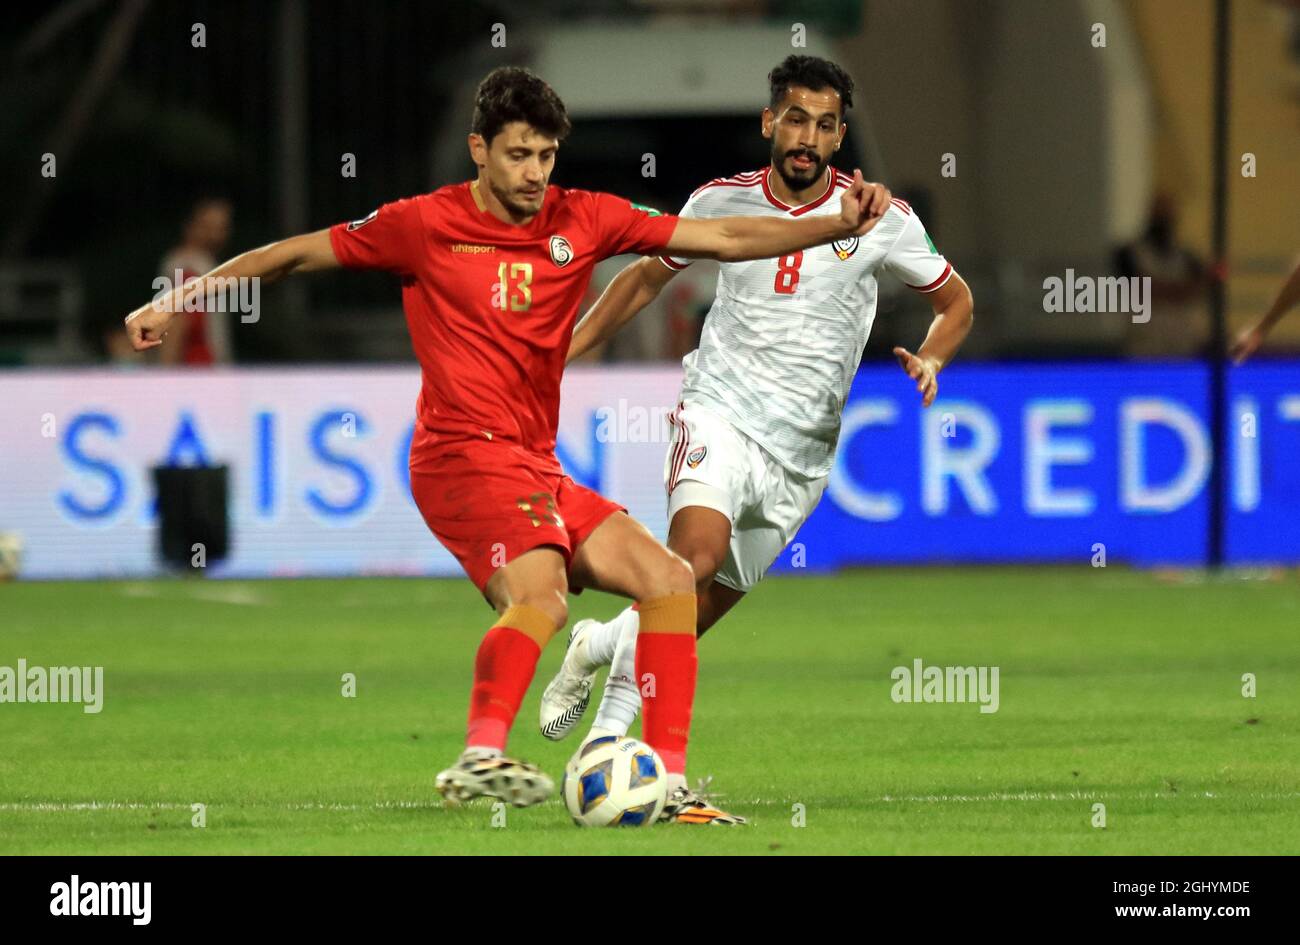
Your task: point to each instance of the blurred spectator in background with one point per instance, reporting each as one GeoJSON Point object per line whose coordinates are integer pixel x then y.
{"type": "Point", "coordinates": [668, 328]}
{"type": "Point", "coordinates": [204, 337]}
{"type": "Point", "coordinates": [1180, 322]}
{"type": "Point", "coordinates": [1249, 341]}
{"type": "Point", "coordinates": [118, 350]}
{"type": "Point", "coordinates": [687, 308]}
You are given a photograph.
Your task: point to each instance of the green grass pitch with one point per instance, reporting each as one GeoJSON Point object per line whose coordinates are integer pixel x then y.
{"type": "Point", "coordinates": [1115, 688]}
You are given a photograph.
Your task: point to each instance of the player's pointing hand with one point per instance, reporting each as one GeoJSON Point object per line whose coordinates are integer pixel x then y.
{"type": "Point", "coordinates": [922, 370]}
{"type": "Point", "coordinates": [863, 204]}
{"type": "Point", "coordinates": [851, 203]}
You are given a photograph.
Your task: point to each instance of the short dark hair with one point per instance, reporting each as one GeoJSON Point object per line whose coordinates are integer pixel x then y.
{"type": "Point", "coordinates": [812, 73]}
{"type": "Point", "coordinates": [511, 93]}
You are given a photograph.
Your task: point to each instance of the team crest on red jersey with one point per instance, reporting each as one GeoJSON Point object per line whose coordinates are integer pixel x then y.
{"type": "Point", "coordinates": [561, 251]}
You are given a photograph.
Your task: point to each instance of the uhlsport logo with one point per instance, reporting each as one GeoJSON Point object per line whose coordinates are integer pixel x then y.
{"type": "Point", "coordinates": [561, 251]}
{"type": "Point", "coordinates": [76, 898]}
{"type": "Point", "coordinates": [845, 248]}
{"type": "Point", "coordinates": [696, 456]}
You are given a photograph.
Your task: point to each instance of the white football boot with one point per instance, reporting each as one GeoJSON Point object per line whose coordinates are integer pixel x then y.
{"type": "Point", "coordinates": [568, 694]}
{"type": "Point", "coordinates": [483, 774]}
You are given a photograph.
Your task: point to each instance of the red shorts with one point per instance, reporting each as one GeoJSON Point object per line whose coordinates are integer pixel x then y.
{"type": "Point", "coordinates": [488, 503]}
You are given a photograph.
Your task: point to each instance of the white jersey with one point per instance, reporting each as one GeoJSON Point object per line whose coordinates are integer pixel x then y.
{"type": "Point", "coordinates": [784, 337]}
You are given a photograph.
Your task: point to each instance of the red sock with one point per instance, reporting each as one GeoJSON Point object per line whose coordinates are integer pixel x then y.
{"type": "Point", "coordinates": [665, 652]}
{"type": "Point", "coordinates": [503, 668]}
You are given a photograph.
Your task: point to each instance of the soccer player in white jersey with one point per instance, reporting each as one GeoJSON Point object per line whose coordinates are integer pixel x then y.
{"type": "Point", "coordinates": [762, 397]}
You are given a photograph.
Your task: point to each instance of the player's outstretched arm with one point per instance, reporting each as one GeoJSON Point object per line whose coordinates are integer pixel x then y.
{"type": "Point", "coordinates": [309, 252]}
{"type": "Point", "coordinates": [630, 291]}
{"type": "Point", "coordinates": [1250, 340]}
{"type": "Point", "coordinates": [954, 313]}
{"type": "Point", "coordinates": [736, 239]}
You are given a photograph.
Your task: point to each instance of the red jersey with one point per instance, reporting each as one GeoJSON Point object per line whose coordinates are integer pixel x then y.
{"type": "Point", "coordinates": [491, 307]}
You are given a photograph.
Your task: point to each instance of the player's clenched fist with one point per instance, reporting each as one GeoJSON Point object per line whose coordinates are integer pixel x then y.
{"type": "Point", "coordinates": [146, 327]}
{"type": "Point", "coordinates": [863, 204]}
{"type": "Point", "coordinates": [924, 371]}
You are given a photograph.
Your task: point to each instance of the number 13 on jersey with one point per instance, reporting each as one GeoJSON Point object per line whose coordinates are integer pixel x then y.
{"type": "Point", "coordinates": [513, 292]}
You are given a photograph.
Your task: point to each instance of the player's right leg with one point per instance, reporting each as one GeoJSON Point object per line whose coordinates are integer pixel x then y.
{"type": "Point", "coordinates": [491, 514]}
{"type": "Point", "coordinates": [529, 595]}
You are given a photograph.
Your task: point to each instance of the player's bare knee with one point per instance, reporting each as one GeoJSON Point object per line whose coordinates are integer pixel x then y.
{"type": "Point", "coordinates": [552, 602]}
{"type": "Point", "coordinates": [554, 606]}
{"type": "Point", "coordinates": [674, 575]}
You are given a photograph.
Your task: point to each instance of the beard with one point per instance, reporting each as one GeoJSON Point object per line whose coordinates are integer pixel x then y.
{"type": "Point", "coordinates": [798, 180]}
{"type": "Point", "coordinates": [513, 203]}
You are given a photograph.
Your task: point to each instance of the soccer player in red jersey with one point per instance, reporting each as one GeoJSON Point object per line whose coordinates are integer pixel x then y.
{"type": "Point", "coordinates": [492, 273]}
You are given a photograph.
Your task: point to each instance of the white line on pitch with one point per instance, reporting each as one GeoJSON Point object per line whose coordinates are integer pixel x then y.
{"type": "Point", "coordinates": [1028, 796]}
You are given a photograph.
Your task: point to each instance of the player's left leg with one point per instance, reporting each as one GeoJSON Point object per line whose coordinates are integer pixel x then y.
{"type": "Point", "coordinates": [700, 515]}
{"type": "Point", "coordinates": [622, 557]}
{"type": "Point", "coordinates": [706, 476]}
{"type": "Point", "coordinates": [702, 535]}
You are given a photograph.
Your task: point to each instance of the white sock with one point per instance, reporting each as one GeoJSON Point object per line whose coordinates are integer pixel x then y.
{"type": "Point", "coordinates": [621, 700]}
{"type": "Point", "coordinates": [602, 640]}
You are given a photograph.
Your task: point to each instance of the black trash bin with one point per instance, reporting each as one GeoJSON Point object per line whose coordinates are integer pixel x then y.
{"type": "Point", "coordinates": [192, 510]}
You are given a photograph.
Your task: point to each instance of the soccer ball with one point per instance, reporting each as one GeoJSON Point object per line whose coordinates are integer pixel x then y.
{"type": "Point", "coordinates": [615, 782]}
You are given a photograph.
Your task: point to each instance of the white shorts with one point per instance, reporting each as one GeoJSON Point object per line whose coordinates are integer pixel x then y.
{"type": "Point", "coordinates": [712, 464]}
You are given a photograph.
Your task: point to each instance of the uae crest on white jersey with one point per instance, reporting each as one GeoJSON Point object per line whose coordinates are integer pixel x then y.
{"type": "Point", "coordinates": [845, 248]}
{"type": "Point", "coordinates": [561, 251]}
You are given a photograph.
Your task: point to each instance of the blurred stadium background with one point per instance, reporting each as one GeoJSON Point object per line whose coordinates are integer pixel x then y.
{"type": "Point", "coordinates": [140, 136]}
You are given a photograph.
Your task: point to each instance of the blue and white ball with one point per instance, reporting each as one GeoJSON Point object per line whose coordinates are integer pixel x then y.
{"type": "Point", "coordinates": [615, 782]}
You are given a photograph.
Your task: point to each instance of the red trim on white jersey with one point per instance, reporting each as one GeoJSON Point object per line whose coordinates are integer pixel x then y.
{"type": "Point", "coordinates": [747, 179]}
{"type": "Point", "coordinates": [771, 198]}
{"type": "Point", "coordinates": [797, 211]}
{"type": "Point", "coordinates": [943, 277]}
{"type": "Point", "coordinates": [901, 205]}
{"type": "Point", "coordinates": [679, 448]}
